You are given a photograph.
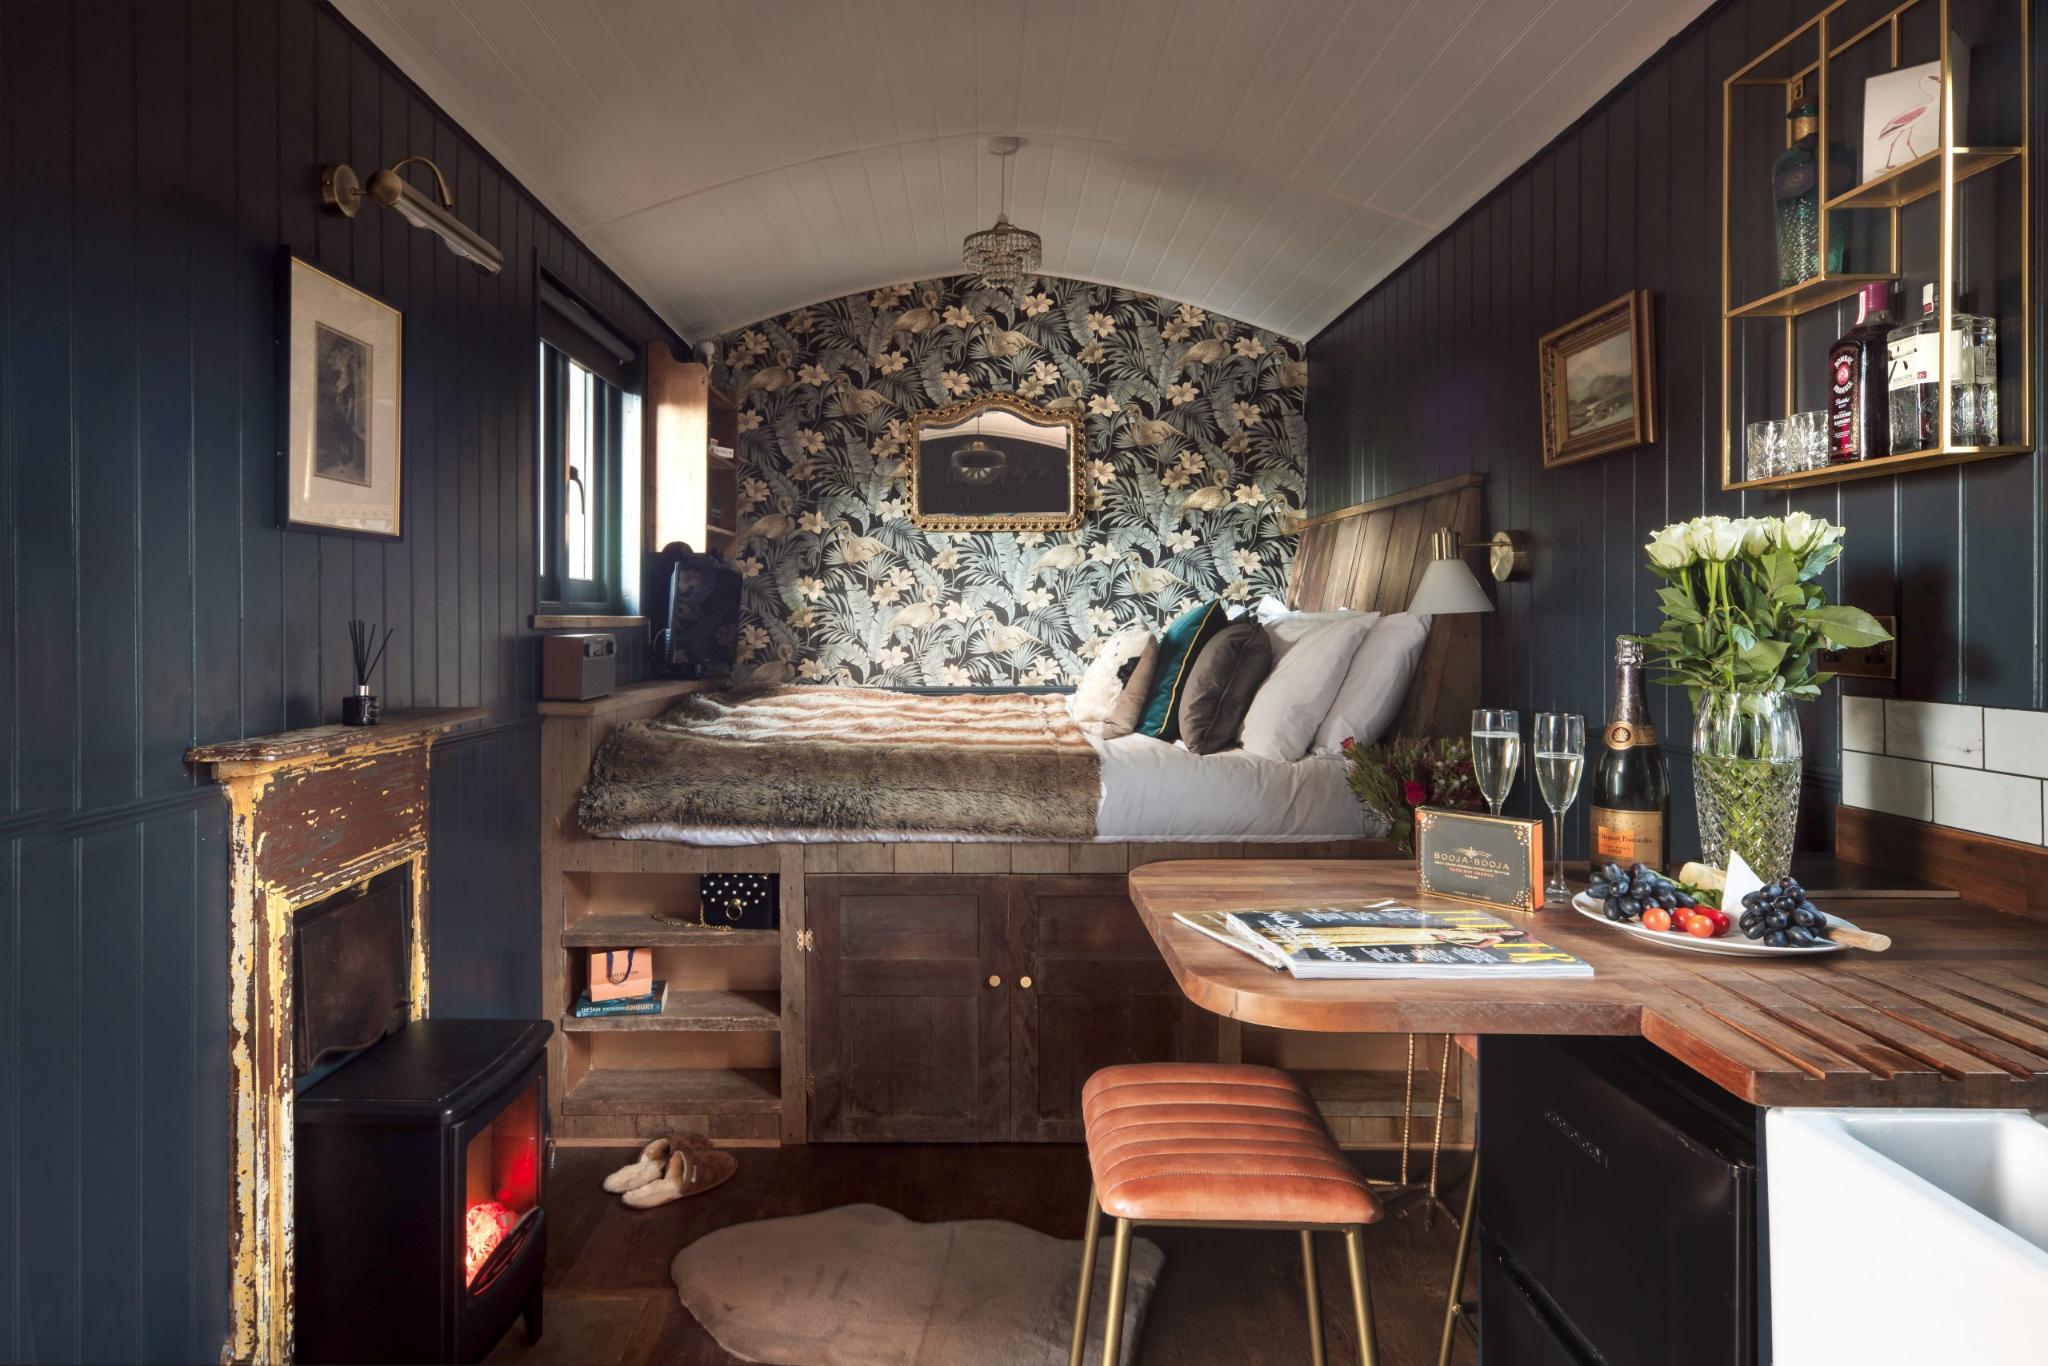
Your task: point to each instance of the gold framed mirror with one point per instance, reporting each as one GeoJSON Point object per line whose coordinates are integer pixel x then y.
{"type": "Point", "coordinates": [996, 463]}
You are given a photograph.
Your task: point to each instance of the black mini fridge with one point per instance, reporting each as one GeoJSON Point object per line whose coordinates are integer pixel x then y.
{"type": "Point", "coordinates": [1618, 1209]}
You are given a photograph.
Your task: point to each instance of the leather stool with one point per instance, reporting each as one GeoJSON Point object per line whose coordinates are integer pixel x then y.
{"type": "Point", "coordinates": [1217, 1145]}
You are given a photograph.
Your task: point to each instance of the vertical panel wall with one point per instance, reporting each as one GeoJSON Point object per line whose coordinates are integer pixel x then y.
{"type": "Point", "coordinates": [154, 159]}
{"type": "Point", "coordinates": [1434, 372]}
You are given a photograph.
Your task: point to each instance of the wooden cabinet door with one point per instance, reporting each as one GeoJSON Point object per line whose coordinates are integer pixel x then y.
{"type": "Point", "coordinates": [908, 1041]}
{"type": "Point", "coordinates": [1100, 994]}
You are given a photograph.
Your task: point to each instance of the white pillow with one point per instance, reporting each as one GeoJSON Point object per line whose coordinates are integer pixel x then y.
{"type": "Point", "coordinates": [1310, 654]}
{"type": "Point", "coordinates": [1271, 609]}
{"type": "Point", "coordinates": [1369, 696]}
{"type": "Point", "coordinates": [1109, 675]}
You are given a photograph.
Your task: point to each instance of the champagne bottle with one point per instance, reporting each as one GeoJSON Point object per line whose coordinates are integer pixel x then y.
{"type": "Point", "coordinates": [1630, 808]}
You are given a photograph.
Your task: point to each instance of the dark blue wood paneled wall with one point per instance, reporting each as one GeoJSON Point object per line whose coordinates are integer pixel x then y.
{"type": "Point", "coordinates": [1434, 372]}
{"type": "Point", "coordinates": [155, 158]}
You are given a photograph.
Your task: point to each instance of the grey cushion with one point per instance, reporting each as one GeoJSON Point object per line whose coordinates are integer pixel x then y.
{"type": "Point", "coordinates": [1221, 684]}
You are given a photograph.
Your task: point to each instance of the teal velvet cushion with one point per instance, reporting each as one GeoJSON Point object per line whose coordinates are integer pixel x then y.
{"type": "Point", "coordinates": [1179, 643]}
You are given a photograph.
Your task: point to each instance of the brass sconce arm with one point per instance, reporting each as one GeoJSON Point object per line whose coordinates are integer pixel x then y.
{"type": "Point", "coordinates": [343, 192]}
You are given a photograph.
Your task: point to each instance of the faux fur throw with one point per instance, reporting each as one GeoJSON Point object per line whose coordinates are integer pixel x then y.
{"type": "Point", "coordinates": [999, 765]}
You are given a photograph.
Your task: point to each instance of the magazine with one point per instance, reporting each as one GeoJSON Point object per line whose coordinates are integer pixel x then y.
{"type": "Point", "coordinates": [1386, 940]}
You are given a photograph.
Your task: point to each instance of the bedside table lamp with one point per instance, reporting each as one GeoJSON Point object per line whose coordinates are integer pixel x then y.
{"type": "Point", "coordinates": [1450, 586]}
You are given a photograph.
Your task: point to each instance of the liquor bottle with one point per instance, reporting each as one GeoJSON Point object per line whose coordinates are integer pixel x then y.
{"type": "Point", "coordinates": [1859, 409]}
{"type": "Point", "coordinates": [1630, 808]}
{"type": "Point", "coordinates": [1972, 379]}
{"type": "Point", "coordinates": [1795, 195]}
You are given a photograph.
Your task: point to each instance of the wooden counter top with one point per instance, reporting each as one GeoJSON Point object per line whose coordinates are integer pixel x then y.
{"type": "Point", "coordinates": [1956, 1014]}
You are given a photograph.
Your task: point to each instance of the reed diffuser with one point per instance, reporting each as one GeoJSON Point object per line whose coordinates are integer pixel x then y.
{"type": "Point", "coordinates": [360, 707]}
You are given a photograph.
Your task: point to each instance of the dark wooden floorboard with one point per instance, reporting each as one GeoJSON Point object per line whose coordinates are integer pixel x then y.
{"type": "Point", "coordinates": [1224, 1297]}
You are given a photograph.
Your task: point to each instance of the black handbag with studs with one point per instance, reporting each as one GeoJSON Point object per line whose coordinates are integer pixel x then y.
{"type": "Point", "coordinates": [740, 901]}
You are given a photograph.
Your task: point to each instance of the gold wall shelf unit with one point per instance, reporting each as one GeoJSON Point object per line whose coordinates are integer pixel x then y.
{"type": "Point", "coordinates": [1784, 330]}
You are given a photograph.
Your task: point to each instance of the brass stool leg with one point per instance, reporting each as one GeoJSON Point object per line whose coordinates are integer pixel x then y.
{"type": "Point", "coordinates": [1087, 1290]}
{"type": "Point", "coordinates": [1119, 1269]}
{"type": "Point", "coordinates": [1361, 1297]}
{"type": "Point", "coordinates": [1452, 1301]}
{"type": "Point", "coordinates": [1315, 1307]}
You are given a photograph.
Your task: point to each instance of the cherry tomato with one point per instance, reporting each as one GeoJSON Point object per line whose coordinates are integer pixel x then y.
{"type": "Point", "coordinates": [1719, 918]}
{"type": "Point", "coordinates": [1699, 927]}
{"type": "Point", "coordinates": [1656, 918]}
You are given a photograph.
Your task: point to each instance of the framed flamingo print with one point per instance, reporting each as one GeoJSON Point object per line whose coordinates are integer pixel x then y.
{"type": "Point", "coordinates": [1902, 111]}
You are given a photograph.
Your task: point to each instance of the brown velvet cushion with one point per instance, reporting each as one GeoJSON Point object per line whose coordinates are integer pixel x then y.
{"type": "Point", "coordinates": [1220, 687]}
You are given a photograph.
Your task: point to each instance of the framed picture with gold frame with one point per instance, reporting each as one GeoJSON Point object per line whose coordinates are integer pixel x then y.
{"type": "Point", "coordinates": [1599, 382]}
{"type": "Point", "coordinates": [996, 463]}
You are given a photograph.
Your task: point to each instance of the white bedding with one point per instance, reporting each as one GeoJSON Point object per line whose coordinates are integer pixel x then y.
{"type": "Point", "coordinates": [1151, 791]}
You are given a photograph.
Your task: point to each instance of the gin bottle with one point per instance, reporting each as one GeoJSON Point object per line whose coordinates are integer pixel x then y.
{"type": "Point", "coordinates": [1859, 414]}
{"type": "Point", "coordinates": [1795, 191]}
{"type": "Point", "coordinates": [1913, 355]}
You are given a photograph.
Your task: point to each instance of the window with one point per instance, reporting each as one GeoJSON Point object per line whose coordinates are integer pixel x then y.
{"type": "Point", "coordinates": [589, 461]}
{"type": "Point", "coordinates": [581, 424]}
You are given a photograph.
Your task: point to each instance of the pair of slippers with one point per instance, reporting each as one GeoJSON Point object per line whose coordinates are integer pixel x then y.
{"type": "Point", "coordinates": [670, 1169]}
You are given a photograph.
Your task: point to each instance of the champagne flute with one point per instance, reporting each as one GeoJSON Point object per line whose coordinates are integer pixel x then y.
{"type": "Point", "coordinates": [1496, 753]}
{"type": "Point", "coordinates": [1560, 740]}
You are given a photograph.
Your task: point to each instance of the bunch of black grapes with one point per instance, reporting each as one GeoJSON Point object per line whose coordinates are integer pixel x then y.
{"type": "Point", "coordinates": [1779, 914]}
{"type": "Point", "coordinates": [1625, 893]}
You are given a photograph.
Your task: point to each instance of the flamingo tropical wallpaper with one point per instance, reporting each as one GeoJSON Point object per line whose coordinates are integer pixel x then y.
{"type": "Point", "coordinates": [1195, 464]}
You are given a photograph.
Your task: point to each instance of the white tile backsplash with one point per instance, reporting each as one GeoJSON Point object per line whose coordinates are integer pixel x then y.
{"type": "Point", "coordinates": [1938, 732]}
{"type": "Point", "coordinates": [1903, 787]}
{"type": "Point", "coordinates": [1998, 804]}
{"type": "Point", "coordinates": [2016, 741]}
{"type": "Point", "coordinates": [1863, 724]}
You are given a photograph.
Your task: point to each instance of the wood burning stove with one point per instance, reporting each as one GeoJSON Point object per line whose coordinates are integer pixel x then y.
{"type": "Point", "coordinates": [422, 1169]}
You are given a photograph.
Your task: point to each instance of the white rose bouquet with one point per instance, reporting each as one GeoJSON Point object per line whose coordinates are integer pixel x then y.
{"type": "Point", "coordinates": [1743, 611]}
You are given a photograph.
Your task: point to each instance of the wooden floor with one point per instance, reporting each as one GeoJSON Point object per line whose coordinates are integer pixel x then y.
{"type": "Point", "coordinates": [1224, 1297]}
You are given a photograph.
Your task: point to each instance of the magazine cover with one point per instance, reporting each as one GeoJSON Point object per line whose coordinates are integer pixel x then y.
{"type": "Point", "coordinates": [1396, 941]}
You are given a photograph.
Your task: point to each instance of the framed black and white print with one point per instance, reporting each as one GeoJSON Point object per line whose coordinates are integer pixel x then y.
{"type": "Point", "coordinates": [344, 369]}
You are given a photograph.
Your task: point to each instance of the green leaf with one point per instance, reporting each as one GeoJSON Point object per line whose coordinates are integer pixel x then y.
{"type": "Point", "coordinates": [1678, 604]}
{"type": "Point", "coordinates": [1844, 626]}
{"type": "Point", "coordinates": [1764, 655]}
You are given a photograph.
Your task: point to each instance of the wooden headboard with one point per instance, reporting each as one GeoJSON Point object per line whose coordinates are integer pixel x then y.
{"type": "Point", "coordinates": [1369, 557]}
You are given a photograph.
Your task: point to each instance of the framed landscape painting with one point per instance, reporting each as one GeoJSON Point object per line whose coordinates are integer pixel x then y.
{"type": "Point", "coordinates": [1598, 382]}
{"type": "Point", "coordinates": [343, 368]}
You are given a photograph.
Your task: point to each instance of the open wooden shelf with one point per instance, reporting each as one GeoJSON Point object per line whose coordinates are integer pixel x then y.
{"type": "Point", "coordinates": [676, 1090]}
{"type": "Point", "coordinates": [1919, 178]}
{"type": "Point", "coordinates": [625, 930]}
{"type": "Point", "coordinates": [696, 1012]}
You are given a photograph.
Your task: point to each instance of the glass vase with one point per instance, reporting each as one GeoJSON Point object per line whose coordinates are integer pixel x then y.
{"type": "Point", "coordinates": [1746, 758]}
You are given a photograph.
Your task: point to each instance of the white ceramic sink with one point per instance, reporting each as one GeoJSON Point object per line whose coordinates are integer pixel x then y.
{"type": "Point", "coordinates": [1907, 1237]}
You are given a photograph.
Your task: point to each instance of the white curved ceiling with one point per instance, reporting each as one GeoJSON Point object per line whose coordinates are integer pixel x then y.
{"type": "Point", "coordinates": [1270, 160]}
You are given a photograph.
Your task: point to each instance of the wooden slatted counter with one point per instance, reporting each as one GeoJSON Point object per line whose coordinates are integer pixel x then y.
{"type": "Point", "coordinates": [1956, 1014]}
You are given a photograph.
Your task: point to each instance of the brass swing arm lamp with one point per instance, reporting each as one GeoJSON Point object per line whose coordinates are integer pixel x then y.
{"type": "Point", "coordinates": [1448, 584]}
{"type": "Point", "coordinates": [342, 191]}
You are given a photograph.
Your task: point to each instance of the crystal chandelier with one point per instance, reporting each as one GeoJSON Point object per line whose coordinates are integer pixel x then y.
{"type": "Point", "coordinates": [1004, 254]}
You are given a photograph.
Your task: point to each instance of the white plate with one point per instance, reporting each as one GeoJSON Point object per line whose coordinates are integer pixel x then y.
{"type": "Point", "coordinates": [1732, 944]}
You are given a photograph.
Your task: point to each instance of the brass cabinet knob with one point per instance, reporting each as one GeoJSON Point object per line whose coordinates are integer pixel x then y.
{"type": "Point", "coordinates": [1024, 982]}
{"type": "Point", "coordinates": [995, 981]}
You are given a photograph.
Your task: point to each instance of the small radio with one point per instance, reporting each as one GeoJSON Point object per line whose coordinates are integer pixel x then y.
{"type": "Point", "coordinates": [576, 668]}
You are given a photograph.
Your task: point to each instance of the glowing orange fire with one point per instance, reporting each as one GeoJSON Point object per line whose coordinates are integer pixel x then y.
{"type": "Point", "coordinates": [484, 1228]}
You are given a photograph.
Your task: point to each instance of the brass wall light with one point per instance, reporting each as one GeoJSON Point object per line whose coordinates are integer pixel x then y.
{"type": "Point", "coordinates": [1449, 585]}
{"type": "Point", "coordinates": [340, 190]}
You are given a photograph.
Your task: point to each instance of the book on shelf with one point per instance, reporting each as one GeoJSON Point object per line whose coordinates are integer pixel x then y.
{"type": "Point", "coordinates": [653, 1003]}
{"type": "Point", "coordinates": [1384, 940]}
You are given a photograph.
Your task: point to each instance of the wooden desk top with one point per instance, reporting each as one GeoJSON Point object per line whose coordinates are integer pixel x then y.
{"type": "Point", "coordinates": [1956, 1014]}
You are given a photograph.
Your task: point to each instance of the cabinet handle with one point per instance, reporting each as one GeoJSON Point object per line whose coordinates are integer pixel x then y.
{"type": "Point", "coordinates": [1024, 982]}
{"type": "Point", "coordinates": [995, 981]}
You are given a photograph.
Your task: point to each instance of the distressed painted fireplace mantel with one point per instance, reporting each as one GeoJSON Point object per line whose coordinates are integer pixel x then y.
{"type": "Point", "coordinates": [311, 812]}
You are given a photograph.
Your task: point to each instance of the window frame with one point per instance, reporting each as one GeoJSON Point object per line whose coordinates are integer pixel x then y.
{"type": "Point", "coordinates": [603, 591]}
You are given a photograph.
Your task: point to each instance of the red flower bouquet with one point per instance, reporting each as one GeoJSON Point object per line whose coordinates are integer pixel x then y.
{"type": "Point", "coordinates": [1392, 779]}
